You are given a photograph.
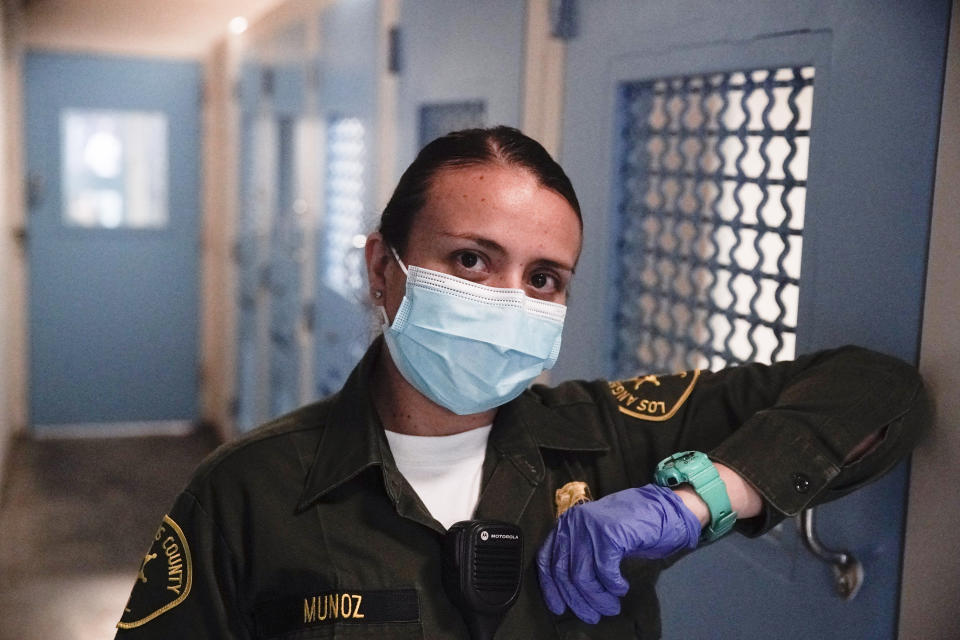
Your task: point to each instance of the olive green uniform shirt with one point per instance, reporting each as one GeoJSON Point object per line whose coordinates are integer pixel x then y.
{"type": "Point", "coordinates": [305, 528]}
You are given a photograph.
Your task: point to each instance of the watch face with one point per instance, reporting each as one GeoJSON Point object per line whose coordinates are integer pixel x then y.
{"type": "Point", "coordinates": [679, 459]}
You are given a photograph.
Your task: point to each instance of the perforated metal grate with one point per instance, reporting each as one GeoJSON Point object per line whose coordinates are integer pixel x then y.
{"type": "Point", "coordinates": [440, 119]}
{"type": "Point", "coordinates": [713, 173]}
{"type": "Point", "coordinates": [344, 238]}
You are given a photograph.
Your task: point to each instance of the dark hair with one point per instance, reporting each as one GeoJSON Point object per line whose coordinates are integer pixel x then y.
{"type": "Point", "coordinates": [501, 145]}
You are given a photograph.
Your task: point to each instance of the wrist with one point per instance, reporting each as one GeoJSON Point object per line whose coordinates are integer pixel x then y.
{"type": "Point", "coordinates": [744, 499]}
{"type": "Point", "coordinates": [692, 501]}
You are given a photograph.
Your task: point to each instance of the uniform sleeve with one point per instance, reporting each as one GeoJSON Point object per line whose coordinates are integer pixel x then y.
{"type": "Point", "coordinates": [186, 586]}
{"type": "Point", "coordinates": [786, 428]}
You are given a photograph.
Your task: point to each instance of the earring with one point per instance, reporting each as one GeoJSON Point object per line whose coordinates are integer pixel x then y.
{"type": "Point", "coordinates": [378, 294]}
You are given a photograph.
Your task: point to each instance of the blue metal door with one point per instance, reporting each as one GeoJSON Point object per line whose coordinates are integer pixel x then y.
{"type": "Point", "coordinates": [702, 209]}
{"type": "Point", "coordinates": [461, 65]}
{"type": "Point", "coordinates": [347, 68]}
{"type": "Point", "coordinates": [308, 175]}
{"type": "Point", "coordinates": [270, 240]}
{"type": "Point", "coordinates": [112, 159]}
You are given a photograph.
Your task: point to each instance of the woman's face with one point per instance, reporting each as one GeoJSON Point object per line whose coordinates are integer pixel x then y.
{"type": "Point", "coordinates": [492, 225]}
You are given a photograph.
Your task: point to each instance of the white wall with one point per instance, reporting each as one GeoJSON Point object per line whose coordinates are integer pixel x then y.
{"type": "Point", "coordinates": [218, 292]}
{"type": "Point", "coordinates": [931, 564]}
{"type": "Point", "coordinates": [4, 252]}
{"type": "Point", "coordinates": [12, 292]}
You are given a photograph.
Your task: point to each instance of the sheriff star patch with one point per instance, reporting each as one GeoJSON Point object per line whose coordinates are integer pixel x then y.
{"type": "Point", "coordinates": [165, 577]}
{"type": "Point", "coordinates": [655, 398]}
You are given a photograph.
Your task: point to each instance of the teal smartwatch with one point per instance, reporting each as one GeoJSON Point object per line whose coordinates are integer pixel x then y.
{"type": "Point", "coordinates": [694, 468]}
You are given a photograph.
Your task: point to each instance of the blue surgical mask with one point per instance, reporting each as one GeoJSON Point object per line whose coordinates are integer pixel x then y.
{"type": "Point", "coordinates": [469, 347]}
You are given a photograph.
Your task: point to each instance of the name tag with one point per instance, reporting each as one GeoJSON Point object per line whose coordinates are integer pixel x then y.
{"type": "Point", "coordinates": [337, 607]}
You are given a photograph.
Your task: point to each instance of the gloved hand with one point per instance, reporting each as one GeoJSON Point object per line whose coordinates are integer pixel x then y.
{"type": "Point", "coordinates": [579, 563]}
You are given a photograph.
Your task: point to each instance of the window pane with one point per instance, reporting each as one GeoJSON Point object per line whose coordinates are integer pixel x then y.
{"type": "Point", "coordinates": [344, 270]}
{"type": "Point", "coordinates": [440, 119]}
{"type": "Point", "coordinates": [114, 169]}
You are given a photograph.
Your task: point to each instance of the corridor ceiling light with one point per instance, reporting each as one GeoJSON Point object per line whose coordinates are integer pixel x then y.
{"type": "Point", "coordinates": [238, 25]}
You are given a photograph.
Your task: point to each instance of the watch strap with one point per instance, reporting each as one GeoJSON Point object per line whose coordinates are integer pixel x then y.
{"type": "Point", "coordinates": [696, 469]}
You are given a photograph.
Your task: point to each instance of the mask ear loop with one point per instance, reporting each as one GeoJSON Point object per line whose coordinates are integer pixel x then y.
{"type": "Point", "coordinates": [382, 308]}
{"type": "Point", "coordinates": [399, 261]}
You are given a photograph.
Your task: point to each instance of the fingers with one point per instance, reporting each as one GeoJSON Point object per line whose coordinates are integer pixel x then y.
{"type": "Point", "coordinates": [562, 564]}
{"type": "Point", "coordinates": [567, 564]}
{"type": "Point", "coordinates": [551, 595]}
{"type": "Point", "coordinates": [580, 562]}
{"type": "Point", "coordinates": [607, 561]}
{"type": "Point", "coordinates": [585, 573]}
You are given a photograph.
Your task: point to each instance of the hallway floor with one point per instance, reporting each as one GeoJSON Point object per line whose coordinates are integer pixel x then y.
{"type": "Point", "coordinates": [75, 519]}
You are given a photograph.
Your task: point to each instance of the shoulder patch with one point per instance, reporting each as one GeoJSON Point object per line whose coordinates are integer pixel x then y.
{"type": "Point", "coordinates": [655, 398]}
{"type": "Point", "coordinates": [165, 577]}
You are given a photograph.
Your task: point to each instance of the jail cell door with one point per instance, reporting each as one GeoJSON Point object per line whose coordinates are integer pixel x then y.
{"type": "Point", "coordinates": [461, 66]}
{"type": "Point", "coordinates": [112, 157]}
{"type": "Point", "coordinates": [764, 174]}
{"type": "Point", "coordinates": [273, 250]}
{"type": "Point", "coordinates": [346, 67]}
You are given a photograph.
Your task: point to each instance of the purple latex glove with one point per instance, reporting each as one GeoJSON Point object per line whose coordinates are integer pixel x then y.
{"type": "Point", "coordinates": [579, 563]}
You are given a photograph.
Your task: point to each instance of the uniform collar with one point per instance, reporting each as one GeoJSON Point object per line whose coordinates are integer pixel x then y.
{"type": "Point", "coordinates": [353, 438]}
{"type": "Point", "coordinates": [526, 425]}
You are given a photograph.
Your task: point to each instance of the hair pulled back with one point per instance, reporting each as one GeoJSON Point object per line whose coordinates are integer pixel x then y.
{"type": "Point", "coordinates": [500, 145]}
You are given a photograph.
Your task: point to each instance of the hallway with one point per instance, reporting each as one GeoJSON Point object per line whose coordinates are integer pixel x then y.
{"type": "Point", "coordinates": [75, 519]}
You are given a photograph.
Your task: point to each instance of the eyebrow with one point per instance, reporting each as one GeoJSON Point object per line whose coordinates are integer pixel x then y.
{"type": "Point", "coordinates": [496, 246]}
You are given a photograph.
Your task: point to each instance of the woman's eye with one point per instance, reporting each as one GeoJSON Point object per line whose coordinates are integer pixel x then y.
{"type": "Point", "coordinates": [546, 281]}
{"type": "Point", "coordinates": [469, 260]}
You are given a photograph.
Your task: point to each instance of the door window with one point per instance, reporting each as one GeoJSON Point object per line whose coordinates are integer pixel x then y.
{"type": "Point", "coordinates": [713, 184]}
{"type": "Point", "coordinates": [344, 270]}
{"type": "Point", "coordinates": [442, 118]}
{"type": "Point", "coordinates": [114, 169]}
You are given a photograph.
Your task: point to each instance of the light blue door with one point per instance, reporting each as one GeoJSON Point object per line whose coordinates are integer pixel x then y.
{"type": "Point", "coordinates": [347, 69]}
{"type": "Point", "coordinates": [270, 240]}
{"type": "Point", "coordinates": [112, 159]}
{"type": "Point", "coordinates": [461, 65]}
{"type": "Point", "coordinates": [307, 191]}
{"type": "Point", "coordinates": [756, 179]}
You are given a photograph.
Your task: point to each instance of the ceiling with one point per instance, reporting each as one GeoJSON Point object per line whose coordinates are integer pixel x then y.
{"type": "Point", "coordinates": [168, 28]}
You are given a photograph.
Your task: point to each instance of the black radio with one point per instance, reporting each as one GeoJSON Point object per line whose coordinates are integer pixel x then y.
{"type": "Point", "coordinates": [482, 568]}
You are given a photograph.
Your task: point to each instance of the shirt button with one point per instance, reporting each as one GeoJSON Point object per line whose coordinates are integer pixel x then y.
{"type": "Point", "coordinates": [800, 482]}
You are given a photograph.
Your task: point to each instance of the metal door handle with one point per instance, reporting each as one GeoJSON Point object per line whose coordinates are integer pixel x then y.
{"type": "Point", "coordinates": [847, 570]}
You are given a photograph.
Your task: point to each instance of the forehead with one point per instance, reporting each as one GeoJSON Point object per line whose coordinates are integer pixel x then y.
{"type": "Point", "coordinates": [492, 198]}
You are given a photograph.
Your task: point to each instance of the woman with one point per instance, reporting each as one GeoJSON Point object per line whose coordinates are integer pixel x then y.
{"type": "Point", "coordinates": [328, 521]}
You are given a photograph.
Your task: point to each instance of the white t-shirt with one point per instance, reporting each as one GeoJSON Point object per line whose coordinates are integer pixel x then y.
{"type": "Point", "coordinates": [445, 471]}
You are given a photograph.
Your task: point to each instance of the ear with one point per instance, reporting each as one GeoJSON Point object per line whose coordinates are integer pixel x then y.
{"type": "Point", "coordinates": [378, 257]}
